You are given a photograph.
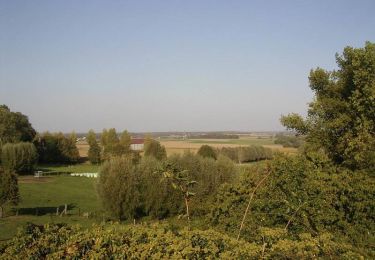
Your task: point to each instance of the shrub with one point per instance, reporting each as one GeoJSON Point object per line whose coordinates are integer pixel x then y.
{"type": "Point", "coordinates": [207, 152]}
{"type": "Point", "coordinates": [155, 149]}
{"type": "Point", "coordinates": [19, 157]}
{"type": "Point", "coordinates": [161, 242]}
{"type": "Point", "coordinates": [118, 187]}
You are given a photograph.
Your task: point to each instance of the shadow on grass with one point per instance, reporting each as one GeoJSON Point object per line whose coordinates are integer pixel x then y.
{"type": "Point", "coordinates": [40, 211]}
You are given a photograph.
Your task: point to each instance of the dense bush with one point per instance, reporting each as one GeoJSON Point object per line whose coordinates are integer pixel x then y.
{"type": "Point", "coordinates": [131, 190]}
{"type": "Point", "coordinates": [9, 194]}
{"type": "Point", "coordinates": [163, 242]}
{"type": "Point", "coordinates": [118, 187]}
{"type": "Point", "coordinates": [314, 198]}
{"type": "Point", "coordinates": [207, 152]}
{"type": "Point", "coordinates": [288, 140]}
{"type": "Point", "coordinates": [155, 149]}
{"type": "Point", "coordinates": [19, 157]}
{"type": "Point", "coordinates": [247, 154]}
{"type": "Point", "coordinates": [57, 148]}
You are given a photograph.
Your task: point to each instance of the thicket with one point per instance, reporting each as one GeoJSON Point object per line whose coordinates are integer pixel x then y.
{"type": "Point", "coordinates": [9, 194]}
{"type": "Point", "coordinates": [300, 196]}
{"type": "Point", "coordinates": [132, 190]}
{"type": "Point", "coordinates": [56, 148]}
{"type": "Point", "coordinates": [19, 157]}
{"type": "Point", "coordinates": [246, 154]}
{"type": "Point", "coordinates": [154, 148]}
{"type": "Point", "coordinates": [165, 242]}
{"type": "Point", "coordinates": [207, 152]}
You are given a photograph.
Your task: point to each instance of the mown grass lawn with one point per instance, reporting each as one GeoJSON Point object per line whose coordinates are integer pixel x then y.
{"type": "Point", "coordinates": [40, 198]}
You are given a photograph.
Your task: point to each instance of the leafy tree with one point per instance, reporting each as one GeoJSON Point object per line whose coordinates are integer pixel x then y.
{"type": "Point", "coordinates": [154, 148]}
{"type": "Point", "coordinates": [159, 198]}
{"type": "Point", "coordinates": [56, 148]}
{"type": "Point", "coordinates": [207, 152]}
{"type": "Point", "coordinates": [118, 187]}
{"type": "Point", "coordinates": [91, 137]}
{"type": "Point", "coordinates": [113, 145]}
{"type": "Point", "coordinates": [180, 181]}
{"type": "Point", "coordinates": [20, 157]}
{"type": "Point", "coordinates": [125, 141]}
{"type": "Point", "coordinates": [8, 189]}
{"type": "Point", "coordinates": [94, 149]}
{"type": "Point", "coordinates": [14, 127]}
{"type": "Point", "coordinates": [341, 118]}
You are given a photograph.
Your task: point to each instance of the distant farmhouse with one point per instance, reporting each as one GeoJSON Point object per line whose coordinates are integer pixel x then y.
{"type": "Point", "coordinates": [137, 144]}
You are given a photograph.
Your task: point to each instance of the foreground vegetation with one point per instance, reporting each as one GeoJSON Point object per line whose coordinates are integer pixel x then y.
{"type": "Point", "coordinates": [163, 242]}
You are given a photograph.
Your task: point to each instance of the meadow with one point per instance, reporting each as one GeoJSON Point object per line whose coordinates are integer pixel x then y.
{"type": "Point", "coordinates": [40, 198]}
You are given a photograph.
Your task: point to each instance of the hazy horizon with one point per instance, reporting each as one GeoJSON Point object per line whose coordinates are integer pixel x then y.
{"type": "Point", "coordinates": [158, 66]}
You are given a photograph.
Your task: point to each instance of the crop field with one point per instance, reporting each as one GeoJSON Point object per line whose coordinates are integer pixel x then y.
{"type": "Point", "coordinates": [179, 146]}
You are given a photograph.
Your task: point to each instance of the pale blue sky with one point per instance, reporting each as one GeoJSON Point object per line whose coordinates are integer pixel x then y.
{"type": "Point", "coordinates": [170, 65]}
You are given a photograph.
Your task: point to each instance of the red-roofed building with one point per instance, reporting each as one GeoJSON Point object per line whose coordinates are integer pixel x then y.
{"type": "Point", "coordinates": [137, 144]}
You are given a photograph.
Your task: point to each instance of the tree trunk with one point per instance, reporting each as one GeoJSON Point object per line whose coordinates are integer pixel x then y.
{"type": "Point", "coordinates": [187, 210]}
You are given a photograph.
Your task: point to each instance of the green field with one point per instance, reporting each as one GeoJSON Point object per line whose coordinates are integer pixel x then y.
{"type": "Point", "coordinates": [41, 196]}
{"type": "Point", "coordinates": [241, 141]}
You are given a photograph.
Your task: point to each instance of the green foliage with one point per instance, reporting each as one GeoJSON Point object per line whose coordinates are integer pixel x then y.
{"type": "Point", "coordinates": [300, 196]}
{"type": "Point", "coordinates": [94, 153]}
{"type": "Point", "coordinates": [154, 148]}
{"type": "Point", "coordinates": [14, 127]}
{"type": "Point", "coordinates": [288, 140]}
{"type": "Point", "coordinates": [57, 148]}
{"type": "Point", "coordinates": [8, 189]}
{"type": "Point", "coordinates": [131, 190]}
{"type": "Point", "coordinates": [159, 199]}
{"type": "Point", "coordinates": [125, 141]}
{"type": "Point", "coordinates": [250, 153]}
{"type": "Point", "coordinates": [94, 150]}
{"type": "Point", "coordinates": [341, 117]}
{"type": "Point", "coordinates": [112, 145]}
{"type": "Point", "coordinates": [161, 242]}
{"type": "Point", "coordinates": [20, 157]}
{"type": "Point", "coordinates": [207, 152]}
{"type": "Point", "coordinates": [118, 187]}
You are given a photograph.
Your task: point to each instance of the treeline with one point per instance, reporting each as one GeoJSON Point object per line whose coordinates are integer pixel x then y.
{"type": "Point", "coordinates": [241, 154]}
{"type": "Point", "coordinates": [246, 154]}
{"type": "Point", "coordinates": [288, 140]}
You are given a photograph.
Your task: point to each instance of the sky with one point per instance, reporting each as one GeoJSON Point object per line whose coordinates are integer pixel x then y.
{"type": "Point", "coordinates": [161, 65]}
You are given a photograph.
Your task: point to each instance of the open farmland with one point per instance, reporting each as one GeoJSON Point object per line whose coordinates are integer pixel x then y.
{"type": "Point", "coordinates": [179, 146]}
